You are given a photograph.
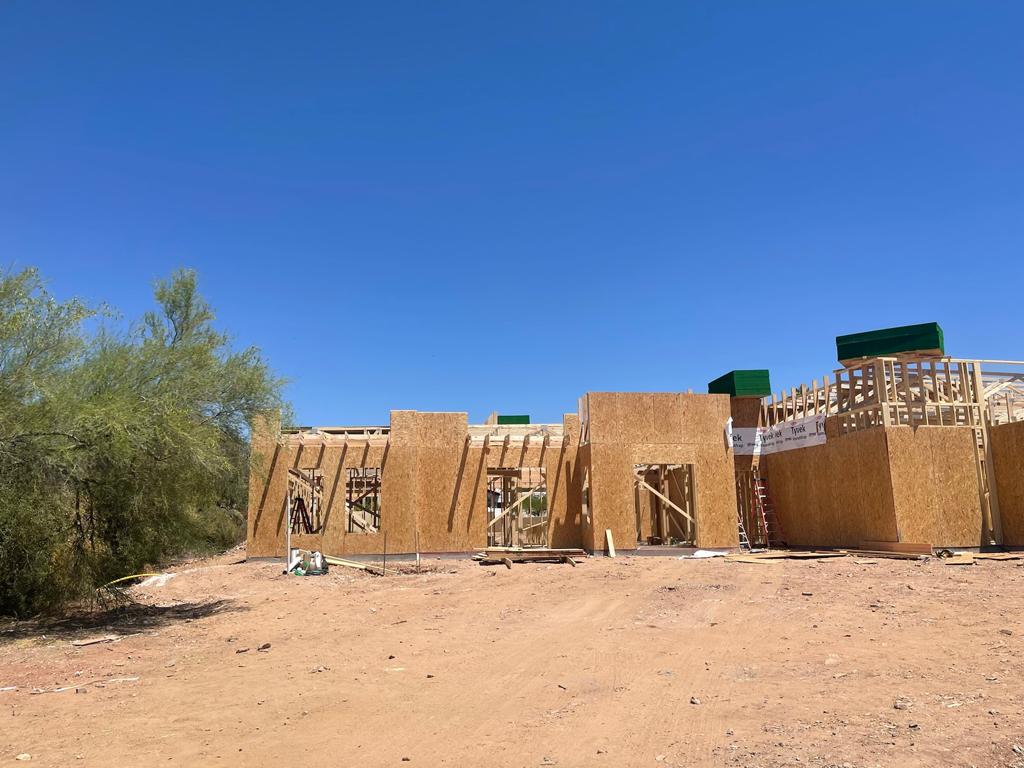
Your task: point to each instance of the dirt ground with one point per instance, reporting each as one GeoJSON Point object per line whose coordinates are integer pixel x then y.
{"type": "Point", "coordinates": [617, 662]}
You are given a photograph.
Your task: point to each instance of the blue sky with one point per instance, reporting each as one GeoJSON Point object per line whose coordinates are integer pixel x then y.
{"type": "Point", "coordinates": [498, 206]}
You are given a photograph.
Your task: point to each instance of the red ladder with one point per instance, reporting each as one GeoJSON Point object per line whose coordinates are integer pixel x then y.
{"type": "Point", "coordinates": [770, 525]}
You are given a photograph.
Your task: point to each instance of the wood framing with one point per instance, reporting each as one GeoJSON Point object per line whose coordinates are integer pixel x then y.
{"type": "Point", "coordinates": [918, 448]}
{"type": "Point", "coordinates": [422, 481]}
{"type": "Point", "coordinates": [625, 430]}
{"type": "Point", "coordinates": [428, 473]}
{"type": "Point", "coordinates": [926, 474]}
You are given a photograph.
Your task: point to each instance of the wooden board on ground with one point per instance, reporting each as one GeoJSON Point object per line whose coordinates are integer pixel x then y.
{"type": "Point", "coordinates": [786, 554]}
{"type": "Point", "coordinates": [882, 553]}
{"type": "Point", "coordinates": [509, 555]}
{"type": "Point", "coordinates": [352, 564]}
{"type": "Point", "coordinates": [905, 547]}
{"type": "Point", "coordinates": [95, 640]}
{"type": "Point", "coordinates": [507, 561]}
{"type": "Point", "coordinates": [999, 555]}
{"type": "Point", "coordinates": [574, 551]}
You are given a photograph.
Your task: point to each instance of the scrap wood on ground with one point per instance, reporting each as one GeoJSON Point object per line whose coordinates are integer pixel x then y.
{"type": "Point", "coordinates": [508, 555]}
{"type": "Point", "coordinates": [776, 555]}
{"type": "Point", "coordinates": [340, 561]}
{"type": "Point", "coordinates": [781, 554]}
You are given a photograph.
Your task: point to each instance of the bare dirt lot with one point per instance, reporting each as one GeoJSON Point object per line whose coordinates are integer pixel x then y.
{"type": "Point", "coordinates": [618, 662]}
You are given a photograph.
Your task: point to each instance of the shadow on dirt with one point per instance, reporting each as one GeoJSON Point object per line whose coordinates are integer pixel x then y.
{"type": "Point", "coordinates": [122, 620]}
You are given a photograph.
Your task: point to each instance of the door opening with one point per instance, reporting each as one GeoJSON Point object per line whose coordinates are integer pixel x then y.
{"type": "Point", "coordinates": [517, 507]}
{"type": "Point", "coordinates": [665, 504]}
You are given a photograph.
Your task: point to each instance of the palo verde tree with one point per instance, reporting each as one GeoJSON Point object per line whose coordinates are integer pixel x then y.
{"type": "Point", "coordinates": [117, 449]}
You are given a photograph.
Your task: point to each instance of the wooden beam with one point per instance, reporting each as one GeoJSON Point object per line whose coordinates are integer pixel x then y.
{"type": "Point", "coordinates": [666, 499]}
{"type": "Point", "coordinates": [518, 502]}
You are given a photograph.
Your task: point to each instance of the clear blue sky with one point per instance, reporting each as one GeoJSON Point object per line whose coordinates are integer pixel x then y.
{"type": "Point", "coordinates": [479, 206]}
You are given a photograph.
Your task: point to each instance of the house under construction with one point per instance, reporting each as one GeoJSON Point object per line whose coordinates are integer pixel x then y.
{"type": "Point", "coordinates": [902, 443]}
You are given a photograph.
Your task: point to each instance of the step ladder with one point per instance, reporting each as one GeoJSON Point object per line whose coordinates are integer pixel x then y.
{"type": "Point", "coordinates": [765, 511]}
{"type": "Point", "coordinates": [744, 541]}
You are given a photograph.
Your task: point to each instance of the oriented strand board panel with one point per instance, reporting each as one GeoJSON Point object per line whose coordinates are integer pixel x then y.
{"type": "Point", "coordinates": [445, 485]}
{"type": "Point", "coordinates": [935, 485]}
{"type": "Point", "coordinates": [837, 494]}
{"type": "Point", "coordinates": [398, 476]}
{"type": "Point", "coordinates": [715, 490]}
{"type": "Point", "coordinates": [1008, 467]}
{"type": "Point", "coordinates": [657, 417]}
{"type": "Point", "coordinates": [267, 491]}
{"type": "Point", "coordinates": [628, 428]}
{"type": "Point", "coordinates": [746, 413]}
{"type": "Point", "coordinates": [268, 467]}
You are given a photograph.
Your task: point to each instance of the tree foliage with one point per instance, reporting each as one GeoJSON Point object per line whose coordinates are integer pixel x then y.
{"type": "Point", "coordinates": [118, 449]}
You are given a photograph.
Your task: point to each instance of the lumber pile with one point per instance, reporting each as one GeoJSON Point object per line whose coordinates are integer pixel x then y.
{"type": "Point", "coordinates": [509, 555]}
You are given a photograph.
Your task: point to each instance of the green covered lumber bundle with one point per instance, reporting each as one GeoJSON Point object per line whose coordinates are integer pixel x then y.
{"type": "Point", "coordinates": [748, 383]}
{"type": "Point", "coordinates": [923, 337]}
{"type": "Point", "coordinates": [513, 419]}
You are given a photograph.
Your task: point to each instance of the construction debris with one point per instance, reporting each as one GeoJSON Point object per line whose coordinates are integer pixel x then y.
{"type": "Point", "coordinates": [371, 569]}
{"type": "Point", "coordinates": [702, 554]}
{"type": "Point", "coordinates": [964, 558]}
{"type": "Point", "coordinates": [881, 553]}
{"type": "Point", "coordinates": [781, 554]}
{"type": "Point", "coordinates": [509, 555]}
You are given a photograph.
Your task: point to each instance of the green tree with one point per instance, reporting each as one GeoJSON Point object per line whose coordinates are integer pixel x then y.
{"type": "Point", "coordinates": [117, 449]}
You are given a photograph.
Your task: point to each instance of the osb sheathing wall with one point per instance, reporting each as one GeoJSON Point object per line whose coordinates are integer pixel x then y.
{"type": "Point", "coordinates": [268, 492]}
{"type": "Point", "coordinates": [433, 488]}
{"type": "Point", "coordinates": [659, 428]}
{"type": "Point", "coordinates": [885, 484]}
{"type": "Point", "coordinates": [1008, 466]}
{"type": "Point", "coordinates": [837, 494]}
{"type": "Point", "coordinates": [746, 412]}
{"type": "Point", "coordinates": [935, 485]}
